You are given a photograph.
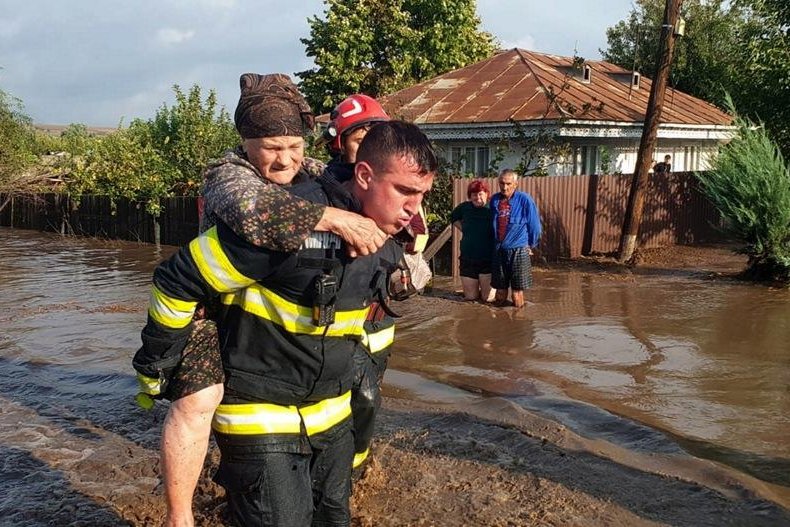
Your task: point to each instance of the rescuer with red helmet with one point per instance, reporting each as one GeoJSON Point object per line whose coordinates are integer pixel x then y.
{"type": "Point", "coordinates": [350, 121]}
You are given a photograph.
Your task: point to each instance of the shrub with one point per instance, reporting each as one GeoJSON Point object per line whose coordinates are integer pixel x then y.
{"type": "Point", "coordinates": [750, 185]}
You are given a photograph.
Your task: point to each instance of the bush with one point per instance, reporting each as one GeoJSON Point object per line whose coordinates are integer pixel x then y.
{"type": "Point", "coordinates": [17, 141]}
{"type": "Point", "coordinates": [152, 159]}
{"type": "Point", "coordinates": [750, 185]}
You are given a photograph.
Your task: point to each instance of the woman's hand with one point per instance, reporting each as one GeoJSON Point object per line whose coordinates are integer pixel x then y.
{"type": "Point", "coordinates": [362, 234]}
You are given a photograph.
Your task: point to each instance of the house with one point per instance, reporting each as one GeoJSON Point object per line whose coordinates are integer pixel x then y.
{"type": "Point", "coordinates": [557, 115]}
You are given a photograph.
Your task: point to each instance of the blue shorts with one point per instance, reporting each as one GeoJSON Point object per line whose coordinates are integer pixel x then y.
{"type": "Point", "coordinates": [511, 268]}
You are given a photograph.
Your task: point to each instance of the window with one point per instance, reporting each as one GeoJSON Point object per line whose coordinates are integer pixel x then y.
{"type": "Point", "coordinates": [587, 75]}
{"type": "Point", "coordinates": [586, 160]}
{"type": "Point", "coordinates": [471, 159]}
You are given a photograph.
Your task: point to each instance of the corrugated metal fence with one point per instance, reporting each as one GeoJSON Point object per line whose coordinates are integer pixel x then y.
{"type": "Point", "coordinates": [582, 215]}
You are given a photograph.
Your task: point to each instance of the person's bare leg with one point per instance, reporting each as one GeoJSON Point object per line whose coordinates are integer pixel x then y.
{"type": "Point", "coordinates": [471, 288]}
{"type": "Point", "coordinates": [518, 298]}
{"type": "Point", "coordinates": [184, 445]}
{"type": "Point", "coordinates": [486, 292]}
{"type": "Point", "coordinates": [501, 296]}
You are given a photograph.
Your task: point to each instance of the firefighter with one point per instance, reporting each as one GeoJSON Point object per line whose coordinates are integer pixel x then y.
{"type": "Point", "coordinates": [242, 190]}
{"type": "Point", "coordinates": [288, 325]}
{"type": "Point", "coordinates": [349, 123]}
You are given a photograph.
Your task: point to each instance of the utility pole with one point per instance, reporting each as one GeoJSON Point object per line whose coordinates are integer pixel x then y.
{"type": "Point", "coordinates": [644, 158]}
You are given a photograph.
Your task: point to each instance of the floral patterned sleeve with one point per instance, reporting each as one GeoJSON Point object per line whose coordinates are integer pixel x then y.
{"type": "Point", "coordinates": [263, 213]}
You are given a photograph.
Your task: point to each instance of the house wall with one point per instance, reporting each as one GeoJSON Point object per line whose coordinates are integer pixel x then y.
{"type": "Point", "coordinates": [587, 155]}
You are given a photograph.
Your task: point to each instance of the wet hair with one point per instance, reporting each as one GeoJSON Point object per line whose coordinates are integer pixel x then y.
{"type": "Point", "coordinates": [478, 185]}
{"type": "Point", "coordinates": [395, 139]}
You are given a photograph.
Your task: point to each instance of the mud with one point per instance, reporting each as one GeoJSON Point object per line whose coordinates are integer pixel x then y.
{"type": "Point", "coordinates": [655, 396]}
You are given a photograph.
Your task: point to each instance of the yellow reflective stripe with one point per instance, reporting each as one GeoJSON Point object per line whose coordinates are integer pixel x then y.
{"type": "Point", "coordinates": [380, 340]}
{"type": "Point", "coordinates": [213, 263]}
{"type": "Point", "coordinates": [420, 241]}
{"type": "Point", "coordinates": [293, 317]}
{"type": "Point", "coordinates": [149, 385]}
{"type": "Point", "coordinates": [257, 418]}
{"type": "Point", "coordinates": [168, 311]}
{"type": "Point", "coordinates": [322, 416]}
{"type": "Point", "coordinates": [264, 418]}
{"type": "Point", "coordinates": [360, 458]}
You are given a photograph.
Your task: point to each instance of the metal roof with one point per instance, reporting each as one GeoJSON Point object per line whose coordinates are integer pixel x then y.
{"type": "Point", "coordinates": [525, 86]}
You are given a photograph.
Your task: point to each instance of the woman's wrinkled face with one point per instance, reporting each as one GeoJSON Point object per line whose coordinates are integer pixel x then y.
{"type": "Point", "coordinates": [479, 199]}
{"type": "Point", "coordinates": [277, 158]}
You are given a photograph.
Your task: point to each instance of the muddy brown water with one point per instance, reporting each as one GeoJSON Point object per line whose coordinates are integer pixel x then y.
{"type": "Point", "coordinates": [662, 363]}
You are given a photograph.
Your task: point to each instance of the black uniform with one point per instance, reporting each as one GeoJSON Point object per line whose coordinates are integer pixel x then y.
{"type": "Point", "coordinates": [284, 427]}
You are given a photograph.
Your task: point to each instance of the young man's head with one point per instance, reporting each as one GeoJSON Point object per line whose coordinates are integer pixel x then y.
{"type": "Point", "coordinates": [394, 169]}
{"type": "Point", "coordinates": [508, 181]}
{"type": "Point", "coordinates": [272, 118]}
{"type": "Point", "coordinates": [351, 120]}
{"type": "Point", "coordinates": [667, 159]}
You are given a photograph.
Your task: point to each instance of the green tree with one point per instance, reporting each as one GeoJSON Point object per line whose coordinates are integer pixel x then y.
{"type": "Point", "coordinates": [157, 158]}
{"type": "Point", "coordinates": [18, 149]}
{"type": "Point", "coordinates": [764, 84]}
{"type": "Point", "coordinates": [705, 59]}
{"type": "Point", "coordinates": [749, 184]}
{"type": "Point", "coordinates": [380, 46]}
{"type": "Point", "coordinates": [739, 47]}
{"type": "Point", "coordinates": [188, 134]}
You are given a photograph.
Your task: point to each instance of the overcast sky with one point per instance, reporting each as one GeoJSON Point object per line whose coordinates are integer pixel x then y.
{"type": "Point", "coordinates": [97, 62]}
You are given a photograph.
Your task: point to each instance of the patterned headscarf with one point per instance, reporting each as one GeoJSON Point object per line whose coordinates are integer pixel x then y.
{"type": "Point", "coordinates": [271, 106]}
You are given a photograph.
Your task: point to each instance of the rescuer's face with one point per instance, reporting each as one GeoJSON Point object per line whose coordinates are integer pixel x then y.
{"type": "Point", "coordinates": [277, 158]}
{"type": "Point", "coordinates": [392, 195]}
{"type": "Point", "coordinates": [351, 142]}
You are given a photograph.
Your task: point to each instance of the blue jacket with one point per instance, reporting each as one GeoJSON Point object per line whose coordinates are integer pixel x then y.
{"type": "Point", "coordinates": [523, 229]}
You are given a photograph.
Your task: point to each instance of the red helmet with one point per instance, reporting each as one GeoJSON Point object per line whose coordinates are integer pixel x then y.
{"type": "Point", "coordinates": [353, 112]}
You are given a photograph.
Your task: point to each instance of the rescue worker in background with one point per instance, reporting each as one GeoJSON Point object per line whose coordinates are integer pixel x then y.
{"type": "Point", "coordinates": [287, 324]}
{"type": "Point", "coordinates": [272, 117]}
{"type": "Point", "coordinates": [349, 122]}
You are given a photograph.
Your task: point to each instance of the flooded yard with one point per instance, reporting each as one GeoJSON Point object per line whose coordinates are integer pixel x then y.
{"type": "Point", "coordinates": [662, 363]}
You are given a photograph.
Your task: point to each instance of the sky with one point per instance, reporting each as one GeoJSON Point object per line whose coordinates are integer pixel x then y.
{"type": "Point", "coordinates": [102, 63]}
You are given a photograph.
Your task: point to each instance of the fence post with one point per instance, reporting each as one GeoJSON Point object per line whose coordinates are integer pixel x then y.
{"type": "Point", "coordinates": [157, 231]}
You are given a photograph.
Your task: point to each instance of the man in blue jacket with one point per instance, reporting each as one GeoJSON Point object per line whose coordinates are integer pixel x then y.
{"type": "Point", "coordinates": [517, 231]}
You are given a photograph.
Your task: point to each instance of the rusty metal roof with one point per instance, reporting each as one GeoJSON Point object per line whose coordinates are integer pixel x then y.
{"type": "Point", "coordinates": [526, 86]}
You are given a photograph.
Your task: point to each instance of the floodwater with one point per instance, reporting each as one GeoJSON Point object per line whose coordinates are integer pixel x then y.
{"type": "Point", "coordinates": [666, 363]}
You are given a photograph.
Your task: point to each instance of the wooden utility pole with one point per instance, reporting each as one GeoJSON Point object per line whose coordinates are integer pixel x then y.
{"type": "Point", "coordinates": [644, 158]}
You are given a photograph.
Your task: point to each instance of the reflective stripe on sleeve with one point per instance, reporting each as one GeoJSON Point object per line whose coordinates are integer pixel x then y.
{"type": "Point", "coordinates": [294, 318]}
{"type": "Point", "coordinates": [380, 340]}
{"type": "Point", "coordinates": [149, 385]}
{"type": "Point", "coordinates": [213, 263]}
{"type": "Point", "coordinates": [168, 311]}
{"type": "Point", "coordinates": [360, 458]}
{"type": "Point", "coordinates": [264, 418]}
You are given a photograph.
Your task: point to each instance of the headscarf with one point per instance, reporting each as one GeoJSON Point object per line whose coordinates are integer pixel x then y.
{"type": "Point", "coordinates": [271, 106]}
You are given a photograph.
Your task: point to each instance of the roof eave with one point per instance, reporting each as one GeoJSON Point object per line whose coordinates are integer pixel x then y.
{"type": "Point", "coordinates": [575, 128]}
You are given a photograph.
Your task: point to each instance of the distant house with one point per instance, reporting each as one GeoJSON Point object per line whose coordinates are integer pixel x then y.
{"type": "Point", "coordinates": [499, 108]}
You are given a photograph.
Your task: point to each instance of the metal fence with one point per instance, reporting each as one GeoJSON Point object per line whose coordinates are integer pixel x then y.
{"type": "Point", "coordinates": [583, 215]}
{"type": "Point", "coordinates": [99, 216]}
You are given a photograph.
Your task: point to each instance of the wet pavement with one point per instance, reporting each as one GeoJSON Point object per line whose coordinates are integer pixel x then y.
{"type": "Point", "coordinates": [662, 362]}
